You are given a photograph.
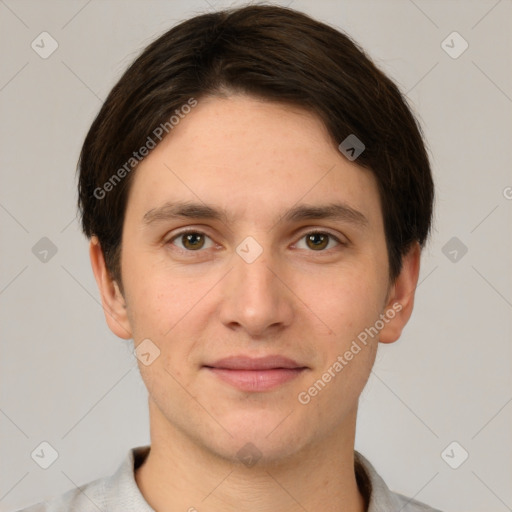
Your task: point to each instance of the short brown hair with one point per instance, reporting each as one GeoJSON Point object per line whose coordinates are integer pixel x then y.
{"type": "Point", "coordinates": [273, 53]}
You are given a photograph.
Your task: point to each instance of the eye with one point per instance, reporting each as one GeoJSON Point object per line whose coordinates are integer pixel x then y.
{"type": "Point", "coordinates": [319, 240]}
{"type": "Point", "coordinates": [194, 241]}
{"type": "Point", "coordinates": [191, 240]}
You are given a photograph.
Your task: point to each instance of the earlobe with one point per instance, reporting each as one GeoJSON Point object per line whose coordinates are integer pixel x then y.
{"type": "Point", "coordinates": [114, 306]}
{"type": "Point", "coordinates": [400, 302]}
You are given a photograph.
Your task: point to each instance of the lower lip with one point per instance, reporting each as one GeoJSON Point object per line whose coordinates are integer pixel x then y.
{"type": "Point", "coordinates": [257, 380]}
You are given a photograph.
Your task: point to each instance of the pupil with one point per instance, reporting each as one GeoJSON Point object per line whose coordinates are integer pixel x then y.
{"type": "Point", "coordinates": [193, 240]}
{"type": "Point", "coordinates": [318, 239]}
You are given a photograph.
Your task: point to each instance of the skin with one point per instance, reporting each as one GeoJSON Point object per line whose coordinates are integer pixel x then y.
{"type": "Point", "coordinates": [256, 160]}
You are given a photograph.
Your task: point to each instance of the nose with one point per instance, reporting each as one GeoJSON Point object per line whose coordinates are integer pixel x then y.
{"type": "Point", "coordinates": [255, 297]}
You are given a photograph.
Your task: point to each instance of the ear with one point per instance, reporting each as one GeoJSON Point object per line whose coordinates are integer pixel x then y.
{"type": "Point", "coordinates": [114, 305]}
{"type": "Point", "coordinates": [400, 301]}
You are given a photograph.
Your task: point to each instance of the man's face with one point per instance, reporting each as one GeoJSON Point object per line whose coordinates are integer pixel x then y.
{"type": "Point", "coordinates": [255, 283]}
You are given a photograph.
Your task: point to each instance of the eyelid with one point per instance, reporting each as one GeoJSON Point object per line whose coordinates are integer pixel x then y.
{"type": "Point", "coordinates": [342, 241]}
{"type": "Point", "coordinates": [186, 231]}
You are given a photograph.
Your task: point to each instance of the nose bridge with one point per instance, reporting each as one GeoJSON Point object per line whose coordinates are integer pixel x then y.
{"type": "Point", "coordinates": [255, 298]}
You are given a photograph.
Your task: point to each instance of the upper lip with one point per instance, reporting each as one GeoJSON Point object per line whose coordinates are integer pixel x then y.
{"type": "Point", "coordinates": [254, 363]}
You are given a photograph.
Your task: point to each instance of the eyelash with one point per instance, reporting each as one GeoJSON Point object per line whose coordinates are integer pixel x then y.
{"type": "Point", "coordinates": [198, 232]}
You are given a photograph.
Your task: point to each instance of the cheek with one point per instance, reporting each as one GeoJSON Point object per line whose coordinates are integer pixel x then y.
{"type": "Point", "coordinates": [162, 313]}
{"type": "Point", "coordinates": [167, 309]}
{"type": "Point", "coordinates": [350, 308]}
{"type": "Point", "coordinates": [156, 297]}
{"type": "Point", "coordinates": [348, 301]}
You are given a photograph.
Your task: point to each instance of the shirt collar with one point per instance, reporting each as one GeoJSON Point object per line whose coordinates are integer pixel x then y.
{"type": "Point", "coordinates": [373, 488]}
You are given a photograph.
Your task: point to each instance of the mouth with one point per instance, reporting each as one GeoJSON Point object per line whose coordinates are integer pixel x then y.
{"type": "Point", "coordinates": [256, 374]}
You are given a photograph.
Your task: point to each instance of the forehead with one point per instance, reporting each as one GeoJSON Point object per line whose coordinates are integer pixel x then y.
{"type": "Point", "coordinates": [251, 158]}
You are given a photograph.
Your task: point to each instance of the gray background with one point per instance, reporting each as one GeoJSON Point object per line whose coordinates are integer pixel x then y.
{"type": "Point", "coordinates": [66, 379]}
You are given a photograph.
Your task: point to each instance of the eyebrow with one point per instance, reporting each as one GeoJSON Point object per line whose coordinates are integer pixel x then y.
{"type": "Point", "coordinates": [190, 210]}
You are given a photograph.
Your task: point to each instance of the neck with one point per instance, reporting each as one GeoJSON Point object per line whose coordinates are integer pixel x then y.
{"type": "Point", "coordinates": [180, 474]}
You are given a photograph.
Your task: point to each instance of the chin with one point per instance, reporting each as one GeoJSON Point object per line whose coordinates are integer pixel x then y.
{"type": "Point", "coordinates": [262, 442]}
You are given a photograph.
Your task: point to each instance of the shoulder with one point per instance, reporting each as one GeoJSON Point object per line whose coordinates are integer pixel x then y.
{"type": "Point", "coordinates": [74, 500]}
{"type": "Point", "coordinates": [114, 493]}
{"type": "Point", "coordinates": [411, 505]}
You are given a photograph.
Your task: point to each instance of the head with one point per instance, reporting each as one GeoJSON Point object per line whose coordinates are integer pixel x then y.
{"type": "Point", "coordinates": [229, 126]}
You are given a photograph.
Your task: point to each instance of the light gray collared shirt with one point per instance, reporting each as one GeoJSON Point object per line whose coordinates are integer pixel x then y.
{"type": "Point", "coordinates": [119, 492]}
